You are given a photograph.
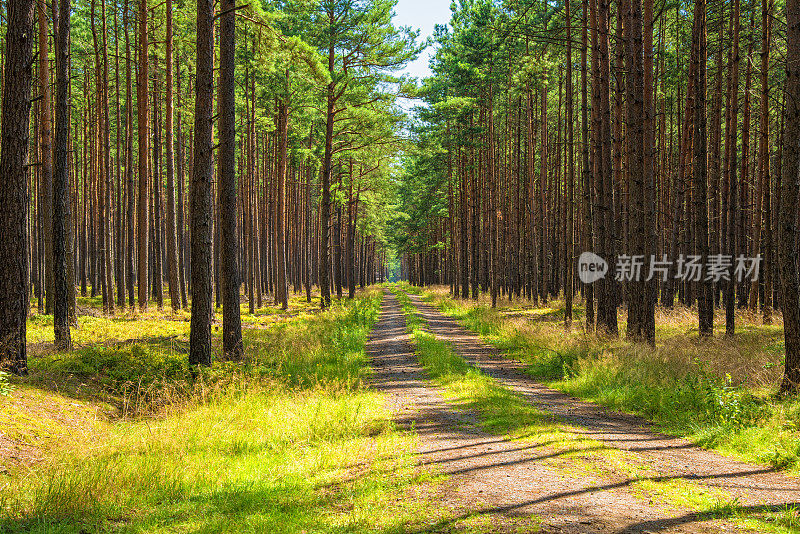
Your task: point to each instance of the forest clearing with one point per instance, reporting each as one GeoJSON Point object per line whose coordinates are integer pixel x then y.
{"type": "Point", "coordinates": [394, 266]}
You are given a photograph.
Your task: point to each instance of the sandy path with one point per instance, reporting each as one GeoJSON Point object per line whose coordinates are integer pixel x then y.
{"type": "Point", "coordinates": [504, 484]}
{"type": "Point", "coordinates": [756, 486]}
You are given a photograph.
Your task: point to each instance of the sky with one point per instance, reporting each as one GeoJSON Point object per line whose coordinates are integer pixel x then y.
{"type": "Point", "coordinates": [422, 15]}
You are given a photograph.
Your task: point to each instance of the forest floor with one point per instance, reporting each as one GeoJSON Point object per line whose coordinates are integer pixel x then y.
{"type": "Point", "coordinates": [382, 415]}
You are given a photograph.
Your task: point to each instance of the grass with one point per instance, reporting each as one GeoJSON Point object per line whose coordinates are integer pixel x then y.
{"type": "Point", "coordinates": [502, 411]}
{"type": "Point", "coordinates": [718, 392]}
{"type": "Point", "coordinates": [286, 441]}
{"type": "Point", "coordinates": [267, 461]}
{"type": "Point", "coordinates": [5, 386]}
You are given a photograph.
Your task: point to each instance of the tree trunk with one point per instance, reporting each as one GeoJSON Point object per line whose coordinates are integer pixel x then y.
{"type": "Point", "coordinates": [570, 176]}
{"type": "Point", "coordinates": [731, 131]}
{"type": "Point", "coordinates": [586, 171]}
{"type": "Point", "coordinates": [282, 290]}
{"type": "Point", "coordinates": [790, 187]}
{"type": "Point", "coordinates": [46, 148]}
{"type": "Point", "coordinates": [604, 193]}
{"type": "Point", "coordinates": [201, 193]}
{"type": "Point", "coordinates": [761, 213]}
{"type": "Point", "coordinates": [106, 176]}
{"type": "Point", "coordinates": [157, 271]}
{"type": "Point", "coordinates": [325, 205]}
{"type": "Point", "coordinates": [142, 106]}
{"type": "Point", "coordinates": [61, 205]}
{"type": "Point", "coordinates": [231, 320]}
{"type": "Point", "coordinates": [15, 138]}
{"type": "Point", "coordinates": [172, 239]}
{"type": "Point", "coordinates": [129, 180]}
{"type": "Point", "coordinates": [705, 300]}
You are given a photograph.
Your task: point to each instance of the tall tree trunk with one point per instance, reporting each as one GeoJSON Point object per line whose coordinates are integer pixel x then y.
{"type": "Point", "coordinates": [119, 243]}
{"type": "Point", "coordinates": [765, 170]}
{"type": "Point", "coordinates": [742, 287]}
{"type": "Point", "coordinates": [46, 148]}
{"type": "Point", "coordinates": [761, 213]}
{"type": "Point", "coordinates": [142, 106]}
{"type": "Point", "coordinates": [157, 271]}
{"type": "Point", "coordinates": [570, 176]}
{"type": "Point", "coordinates": [648, 159]}
{"type": "Point", "coordinates": [634, 136]}
{"type": "Point", "coordinates": [541, 205]}
{"type": "Point", "coordinates": [337, 243]}
{"type": "Point", "coordinates": [181, 226]}
{"type": "Point", "coordinates": [586, 171]}
{"type": "Point", "coordinates": [715, 170]}
{"type": "Point", "coordinates": [705, 300]}
{"type": "Point", "coordinates": [731, 132]}
{"type": "Point", "coordinates": [129, 179]}
{"type": "Point", "coordinates": [15, 141]}
{"type": "Point", "coordinates": [282, 290]}
{"type": "Point", "coordinates": [202, 198]}
{"type": "Point", "coordinates": [172, 239]}
{"type": "Point", "coordinates": [604, 197]}
{"type": "Point", "coordinates": [790, 189]}
{"type": "Point", "coordinates": [494, 207]}
{"type": "Point", "coordinates": [106, 129]}
{"type": "Point", "coordinates": [327, 160]}
{"type": "Point", "coordinates": [62, 285]}
{"type": "Point", "coordinates": [231, 320]}
{"type": "Point", "coordinates": [351, 241]}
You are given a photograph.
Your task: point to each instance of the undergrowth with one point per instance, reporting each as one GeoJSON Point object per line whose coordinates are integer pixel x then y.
{"type": "Point", "coordinates": [5, 386]}
{"type": "Point", "coordinates": [286, 441]}
{"type": "Point", "coordinates": [146, 374]}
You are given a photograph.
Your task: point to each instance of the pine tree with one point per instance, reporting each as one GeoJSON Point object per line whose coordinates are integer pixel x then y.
{"type": "Point", "coordinates": [14, 143]}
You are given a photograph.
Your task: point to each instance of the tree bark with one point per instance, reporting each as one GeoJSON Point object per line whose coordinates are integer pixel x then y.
{"type": "Point", "coordinates": [231, 320]}
{"type": "Point", "coordinates": [142, 106]}
{"type": "Point", "coordinates": [761, 214]}
{"type": "Point", "coordinates": [172, 239]}
{"type": "Point", "coordinates": [586, 170]}
{"type": "Point", "coordinates": [201, 193]}
{"type": "Point", "coordinates": [705, 300]}
{"type": "Point", "coordinates": [731, 131]}
{"type": "Point", "coordinates": [61, 204]}
{"type": "Point", "coordinates": [282, 290]}
{"type": "Point", "coordinates": [790, 188]}
{"type": "Point", "coordinates": [570, 176]}
{"type": "Point", "coordinates": [15, 138]}
{"type": "Point", "coordinates": [46, 148]}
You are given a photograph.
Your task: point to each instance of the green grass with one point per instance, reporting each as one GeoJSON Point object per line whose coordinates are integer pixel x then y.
{"type": "Point", "coordinates": [137, 360]}
{"type": "Point", "coordinates": [5, 386]}
{"type": "Point", "coordinates": [262, 460]}
{"type": "Point", "coordinates": [720, 392]}
{"type": "Point", "coordinates": [287, 441]}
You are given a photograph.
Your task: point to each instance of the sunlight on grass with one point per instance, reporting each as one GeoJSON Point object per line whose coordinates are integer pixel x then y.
{"type": "Point", "coordinates": [286, 441]}
{"type": "Point", "coordinates": [264, 459]}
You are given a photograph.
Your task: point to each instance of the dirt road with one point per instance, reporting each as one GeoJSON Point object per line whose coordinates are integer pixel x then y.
{"type": "Point", "coordinates": [502, 485]}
